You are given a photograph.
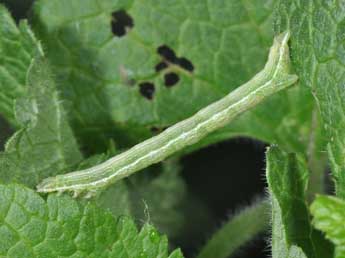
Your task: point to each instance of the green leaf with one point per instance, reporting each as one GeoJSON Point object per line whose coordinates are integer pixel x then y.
{"type": "Point", "coordinates": [18, 46]}
{"type": "Point", "coordinates": [45, 145]}
{"type": "Point", "coordinates": [226, 41]}
{"type": "Point", "coordinates": [60, 227]}
{"type": "Point", "coordinates": [287, 178]}
{"type": "Point", "coordinates": [318, 55]}
{"type": "Point", "coordinates": [237, 231]}
{"type": "Point", "coordinates": [329, 216]}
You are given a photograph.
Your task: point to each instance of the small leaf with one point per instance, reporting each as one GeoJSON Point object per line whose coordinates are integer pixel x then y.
{"type": "Point", "coordinates": [60, 227]}
{"type": "Point", "coordinates": [287, 178]}
{"type": "Point", "coordinates": [18, 46]}
{"type": "Point", "coordinates": [45, 145]}
{"type": "Point", "coordinates": [329, 217]}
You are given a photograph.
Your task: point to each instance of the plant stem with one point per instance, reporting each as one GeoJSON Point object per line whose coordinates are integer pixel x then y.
{"type": "Point", "coordinates": [237, 231]}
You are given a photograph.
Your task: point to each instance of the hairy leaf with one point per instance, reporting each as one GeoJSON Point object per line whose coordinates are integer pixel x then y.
{"type": "Point", "coordinates": [45, 145]}
{"type": "Point", "coordinates": [114, 84]}
{"type": "Point", "coordinates": [318, 55]}
{"type": "Point", "coordinates": [18, 46]}
{"type": "Point", "coordinates": [60, 227]}
{"type": "Point", "coordinates": [287, 177]}
{"type": "Point", "coordinates": [329, 216]}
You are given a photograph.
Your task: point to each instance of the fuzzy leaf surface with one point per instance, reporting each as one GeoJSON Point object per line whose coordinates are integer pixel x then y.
{"type": "Point", "coordinates": [62, 227]}
{"type": "Point", "coordinates": [18, 46]}
{"type": "Point", "coordinates": [45, 145]}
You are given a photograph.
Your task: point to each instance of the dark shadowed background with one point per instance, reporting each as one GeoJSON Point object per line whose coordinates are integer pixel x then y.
{"type": "Point", "coordinates": [225, 176]}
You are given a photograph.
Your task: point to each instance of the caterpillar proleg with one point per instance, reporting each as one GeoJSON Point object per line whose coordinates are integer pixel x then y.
{"type": "Point", "coordinates": [274, 77]}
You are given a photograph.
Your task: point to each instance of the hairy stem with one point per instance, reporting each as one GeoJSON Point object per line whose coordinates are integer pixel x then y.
{"type": "Point", "coordinates": [237, 231]}
{"type": "Point", "coordinates": [273, 78]}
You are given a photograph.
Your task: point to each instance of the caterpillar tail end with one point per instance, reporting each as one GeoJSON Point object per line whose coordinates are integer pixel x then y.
{"type": "Point", "coordinates": [48, 185]}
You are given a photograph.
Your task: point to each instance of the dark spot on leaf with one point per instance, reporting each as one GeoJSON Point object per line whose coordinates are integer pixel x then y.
{"type": "Point", "coordinates": [147, 89]}
{"type": "Point", "coordinates": [171, 79]}
{"type": "Point", "coordinates": [161, 66]}
{"type": "Point", "coordinates": [121, 22]}
{"type": "Point", "coordinates": [186, 64]}
{"type": "Point", "coordinates": [169, 55]}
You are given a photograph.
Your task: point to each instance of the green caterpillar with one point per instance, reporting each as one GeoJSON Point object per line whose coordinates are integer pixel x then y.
{"type": "Point", "coordinates": [274, 77]}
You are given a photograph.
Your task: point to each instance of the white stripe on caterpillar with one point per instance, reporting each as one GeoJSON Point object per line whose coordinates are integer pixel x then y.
{"type": "Point", "coordinates": [273, 78]}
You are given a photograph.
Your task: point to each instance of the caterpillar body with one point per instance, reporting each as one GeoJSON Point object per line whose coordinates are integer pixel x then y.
{"type": "Point", "coordinates": [274, 77]}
